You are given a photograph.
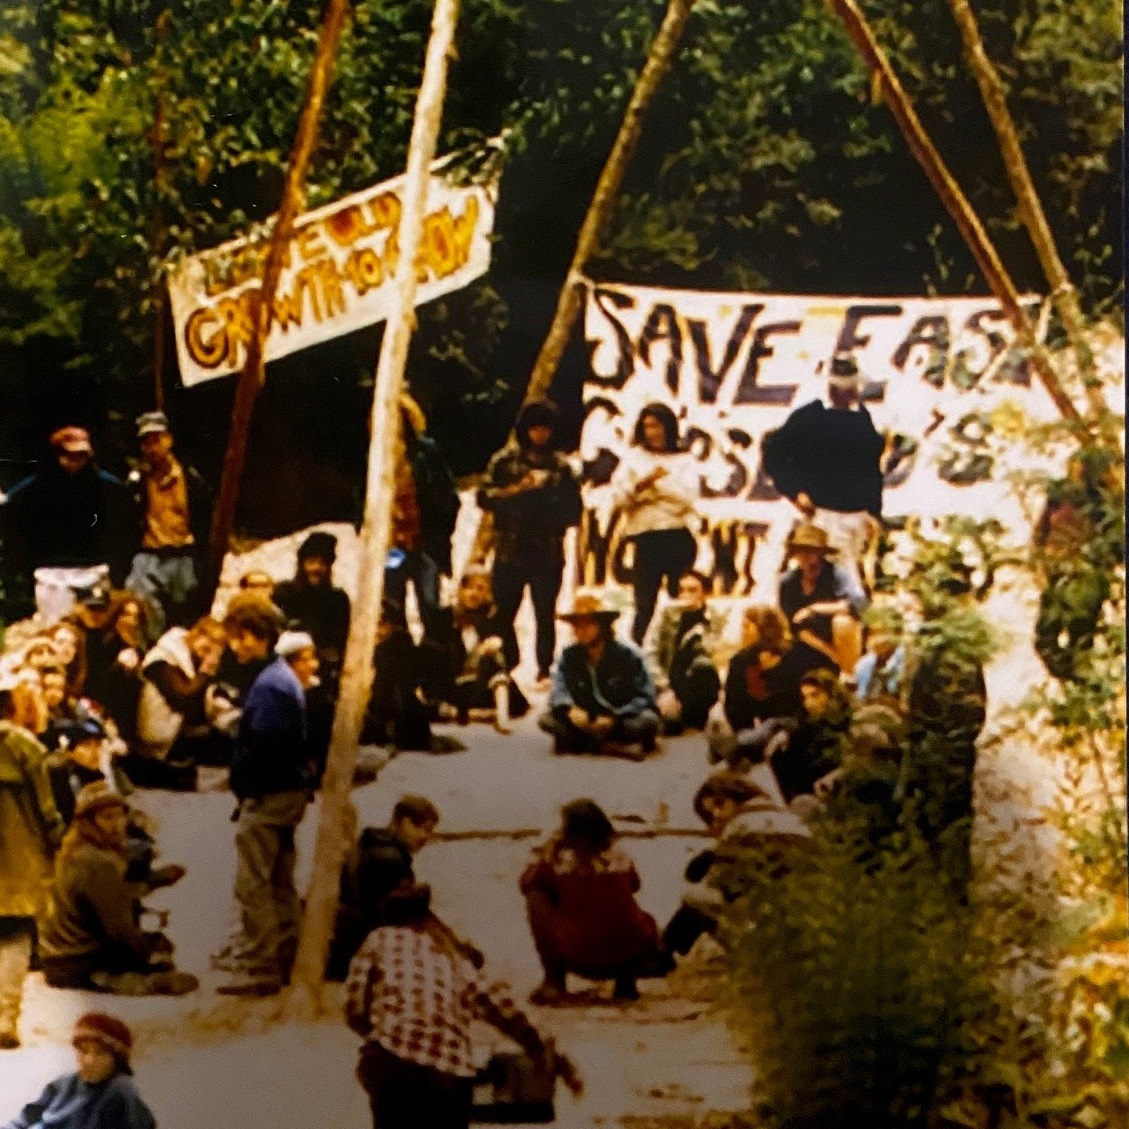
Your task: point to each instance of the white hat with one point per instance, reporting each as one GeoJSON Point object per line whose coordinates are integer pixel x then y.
{"type": "Point", "coordinates": [291, 642]}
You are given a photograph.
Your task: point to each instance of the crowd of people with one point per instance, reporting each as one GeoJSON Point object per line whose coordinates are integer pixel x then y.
{"type": "Point", "coordinates": [120, 678]}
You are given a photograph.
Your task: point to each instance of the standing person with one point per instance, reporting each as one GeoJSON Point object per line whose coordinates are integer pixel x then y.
{"type": "Point", "coordinates": [377, 864]}
{"type": "Point", "coordinates": [425, 508]}
{"type": "Point", "coordinates": [827, 460]}
{"type": "Point", "coordinates": [64, 528]}
{"type": "Point", "coordinates": [656, 488]}
{"type": "Point", "coordinates": [579, 891]}
{"type": "Point", "coordinates": [30, 831]}
{"type": "Point", "coordinates": [823, 602]}
{"type": "Point", "coordinates": [176, 507]}
{"type": "Point", "coordinates": [681, 656]}
{"type": "Point", "coordinates": [101, 1093]}
{"type": "Point", "coordinates": [272, 776]}
{"type": "Point", "coordinates": [602, 700]}
{"type": "Point", "coordinates": [412, 994]}
{"type": "Point", "coordinates": [252, 626]}
{"type": "Point", "coordinates": [535, 498]}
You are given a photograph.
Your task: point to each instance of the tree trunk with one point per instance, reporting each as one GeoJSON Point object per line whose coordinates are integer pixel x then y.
{"type": "Point", "coordinates": [304, 998]}
{"type": "Point", "coordinates": [954, 200]}
{"type": "Point", "coordinates": [600, 210]}
{"type": "Point", "coordinates": [157, 226]}
{"type": "Point", "coordinates": [1030, 207]}
{"type": "Point", "coordinates": [293, 200]}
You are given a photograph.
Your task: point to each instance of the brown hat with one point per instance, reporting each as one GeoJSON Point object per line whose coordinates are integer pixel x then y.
{"type": "Point", "coordinates": [108, 1032]}
{"type": "Point", "coordinates": [590, 606]}
{"type": "Point", "coordinates": [808, 535]}
{"type": "Point", "coordinates": [72, 440]}
{"type": "Point", "coordinates": [94, 798]}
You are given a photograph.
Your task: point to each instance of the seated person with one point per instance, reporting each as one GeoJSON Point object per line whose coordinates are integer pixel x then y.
{"type": "Point", "coordinates": [69, 643]}
{"type": "Point", "coordinates": [743, 818]}
{"type": "Point", "coordinates": [683, 643]}
{"type": "Point", "coordinates": [379, 862]}
{"type": "Point", "coordinates": [91, 938]}
{"type": "Point", "coordinates": [464, 657]}
{"type": "Point", "coordinates": [61, 710]}
{"type": "Point", "coordinates": [399, 714]}
{"type": "Point", "coordinates": [763, 681]}
{"type": "Point", "coordinates": [802, 754]}
{"type": "Point", "coordinates": [178, 706]}
{"type": "Point", "coordinates": [87, 757]}
{"type": "Point", "coordinates": [101, 1093]}
{"type": "Point", "coordinates": [602, 699]}
{"type": "Point", "coordinates": [114, 654]}
{"type": "Point", "coordinates": [879, 674]}
{"type": "Point", "coordinates": [259, 582]}
{"type": "Point", "coordinates": [580, 895]}
{"type": "Point", "coordinates": [823, 603]}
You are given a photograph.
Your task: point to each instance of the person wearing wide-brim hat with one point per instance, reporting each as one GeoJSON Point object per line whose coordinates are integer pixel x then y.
{"type": "Point", "coordinates": [823, 602]}
{"type": "Point", "coordinates": [602, 699]}
{"type": "Point", "coordinates": [827, 459]}
{"type": "Point", "coordinates": [101, 1094]}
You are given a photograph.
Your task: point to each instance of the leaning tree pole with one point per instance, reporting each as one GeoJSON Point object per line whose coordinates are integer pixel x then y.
{"type": "Point", "coordinates": [304, 996]}
{"type": "Point", "coordinates": [953, 199]}
{"type": "Point", "coordinates": [1031, 210]}
{"type": "Point", "coordinates": [253, 374]}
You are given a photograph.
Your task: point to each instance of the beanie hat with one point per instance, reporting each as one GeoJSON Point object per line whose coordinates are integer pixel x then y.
{"type": "Point", "coordinates": [95, 797]}
{"type": "Point", "coordinates": [318, 544]}
{"type": "Point", "coordinates": [291, 642]}
{"type": "Point", "coordinates": [108, 1032]}
{"type": "Point", "coordinates": [537, 413]}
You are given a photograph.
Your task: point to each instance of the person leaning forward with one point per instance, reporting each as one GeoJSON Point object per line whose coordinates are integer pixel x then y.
{"type": "Point", "coordinates": [602, 699]}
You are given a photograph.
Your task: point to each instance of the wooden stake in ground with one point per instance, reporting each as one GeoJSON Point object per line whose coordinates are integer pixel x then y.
{"type": "Point", "coordinates": [253, 374]}
{"type": "Point", "coordinates": [304, 997]}
{"type": "Point", "coordinates": [954, 200]}
{"type": "Point", "coordinates": [1030, 207]}
{"type": "Point", "coordinates": [599, 214]}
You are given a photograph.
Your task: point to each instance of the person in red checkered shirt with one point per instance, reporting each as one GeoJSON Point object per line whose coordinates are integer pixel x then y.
{"type": "Point", "coordinates": [412, 993]}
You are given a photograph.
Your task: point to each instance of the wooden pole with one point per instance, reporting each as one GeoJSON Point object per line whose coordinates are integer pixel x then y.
{"type": "Point", "coordinates": [304, 997]}
{"type": "Point", "coordinates": [1031, 210]}
{"type": "Point", "coordinates": [954, 200]}
{"type": "Point", "coordinates": [160, 180]}
{"type": "Point", "coordinates": [599, 214]}
{"type": "Point", "coordinates": [293, 199]}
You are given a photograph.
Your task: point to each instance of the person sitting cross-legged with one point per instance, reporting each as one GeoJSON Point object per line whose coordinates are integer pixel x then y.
{"type": "Point", "coordinates": [681, 656]}
{"type": "Point", "coordinates": [580, 892]}
{"type": "Point", "coordinates": [463, 653]}
{"type": "Point", "coordinates": [91, 938]}
{"type": "Point", "coordinates": [602, 699]}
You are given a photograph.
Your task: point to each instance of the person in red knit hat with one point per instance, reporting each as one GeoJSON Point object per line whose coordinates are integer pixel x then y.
{"type": "Point", "coordinates": [101, 1094]}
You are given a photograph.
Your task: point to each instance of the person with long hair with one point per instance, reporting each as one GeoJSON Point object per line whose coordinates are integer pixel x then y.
{"type": "Point", "coordinates": [69, 642]}
{"type": "Point", "coordinates": [579, 891]}
{"type": "Point", "coordinates": [114, 657]}
{"type": "Point", "coordinates": [656, 489]}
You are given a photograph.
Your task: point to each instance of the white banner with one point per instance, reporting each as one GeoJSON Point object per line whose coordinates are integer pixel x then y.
{"type": "Point", "coordinates": [942, 382]}
{"type": "Point", "coordinates": [337, 277]}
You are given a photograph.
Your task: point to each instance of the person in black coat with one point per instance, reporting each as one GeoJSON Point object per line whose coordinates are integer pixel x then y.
{"type": "Point", "coordinates": [534, 496]}
{"type": "Point", "coordinates": [377, 864]}
{"type": "Point", "coordinates": [827, 460]}
{"type": "Point", "coordinates": [69, 519]}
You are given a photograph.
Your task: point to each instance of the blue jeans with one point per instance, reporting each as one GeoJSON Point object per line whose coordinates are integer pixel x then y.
{"type": "Point", "coordinates": [423, 572]}
{"type": "Point", "coordinates": [168, 582]}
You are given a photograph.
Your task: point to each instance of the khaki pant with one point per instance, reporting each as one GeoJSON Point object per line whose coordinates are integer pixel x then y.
{"type": "Point", "coordinates": [264, 879]}
{"type": "Point", "coordinates": [15, 960]}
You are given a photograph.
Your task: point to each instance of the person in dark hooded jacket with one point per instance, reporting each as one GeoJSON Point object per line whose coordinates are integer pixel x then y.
{"type": "Point", "coordinates": [534, 497]}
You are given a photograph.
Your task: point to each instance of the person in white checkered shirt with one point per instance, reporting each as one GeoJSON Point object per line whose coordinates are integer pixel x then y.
{"type": "Point", "coordinates": [412, 993]}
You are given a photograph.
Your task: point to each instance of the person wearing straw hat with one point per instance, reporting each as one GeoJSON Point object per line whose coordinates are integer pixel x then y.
{"type": "Point", "coordinates": [827, 459]}
{"type": "Point", "coordinates": [823, 602]}
{"type": "Point", "coordinates": [272, 776]}
{"type": "Point", "coordinates": [602, 699]}
{"type": "Point", "coordinates": [175, 506]}
{"type": "Point", "coordinates": [30, 830]}
{"type": "Point", "coordinates": [65, 528]}
{"type": "Point", "coordinates": [101, 1093]}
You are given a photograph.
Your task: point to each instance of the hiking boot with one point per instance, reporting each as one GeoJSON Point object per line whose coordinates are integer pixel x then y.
{"type": "Point", "coordinates": [625, 750]}
{"type": "Point", "coordinates": [164, 876]}
{"type": "Point", "coordinates": [173, 983]}
{"type": "Point", "coordinates": [626, 990]}
{"type": "Point", "coordinates": [549, 995]}
{"type": "Point", "coordinates": [9, 1041]}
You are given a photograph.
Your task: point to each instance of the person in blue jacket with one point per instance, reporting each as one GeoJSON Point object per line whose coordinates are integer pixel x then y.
{"type": "Point", "coordinates": [101, 1094]}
